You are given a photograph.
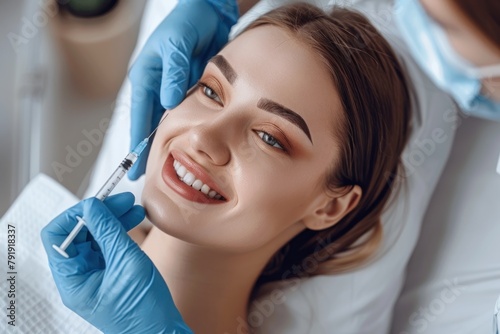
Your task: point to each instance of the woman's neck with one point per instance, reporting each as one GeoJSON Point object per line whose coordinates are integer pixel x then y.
{"type": "Point", "coordinates": [211, 289]}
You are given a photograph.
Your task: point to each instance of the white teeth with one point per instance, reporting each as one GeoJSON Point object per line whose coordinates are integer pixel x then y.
{"type": "Point", "coordinates": [205, 189]}
{"type": "Point", "coordinates": [197, 184]}
{"type": "Point", "coordinates": [189, 179]}
{"type": "Point", "coordinates": [181, 171]}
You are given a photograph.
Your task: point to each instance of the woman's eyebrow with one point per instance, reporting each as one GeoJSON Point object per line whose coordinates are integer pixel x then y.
{"type": "Point", "coordinates": [224, 66]}
{"type": "Point", "coordinates": [264, 104]}
{"type": "Point", "coordinates": [284, 112]}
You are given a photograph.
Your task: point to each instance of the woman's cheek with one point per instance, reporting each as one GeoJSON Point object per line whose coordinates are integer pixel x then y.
{"type": "Point", "coordinates": [188, 113]}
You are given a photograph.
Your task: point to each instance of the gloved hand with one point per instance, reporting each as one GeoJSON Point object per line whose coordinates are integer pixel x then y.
{"type": "Point", "coordinates": [108, 280]}
{"type": "Point", "coordinates": [173, 60]}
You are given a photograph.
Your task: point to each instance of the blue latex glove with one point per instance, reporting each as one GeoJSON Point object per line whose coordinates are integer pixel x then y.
{"type": "Point", "coordinates": [173, 60]}
{"type": "Point", "coordinates": [108, 280]}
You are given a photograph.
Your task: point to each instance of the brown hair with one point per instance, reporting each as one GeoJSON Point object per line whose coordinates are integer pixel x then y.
{"type": "Point", "coordinates": [372, 134]}
{"type": "Point", "coordinates": [484, 15]}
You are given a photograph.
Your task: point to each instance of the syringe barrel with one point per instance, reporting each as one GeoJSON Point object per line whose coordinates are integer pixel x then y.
{"type": "Point", "coordinates": [117, 175]}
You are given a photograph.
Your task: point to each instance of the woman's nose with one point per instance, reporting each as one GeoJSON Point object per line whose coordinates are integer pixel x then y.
{"type": "Point", "coordinates": [211, 140]}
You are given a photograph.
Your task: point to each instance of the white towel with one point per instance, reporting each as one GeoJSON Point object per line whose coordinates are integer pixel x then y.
{"type": "Point", "coordinates": [38, 306]}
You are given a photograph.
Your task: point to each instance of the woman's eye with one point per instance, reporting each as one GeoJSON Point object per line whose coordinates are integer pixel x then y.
{"type": "Point", "coordinates": [270, 140]}
{"type": "Point", "coordinates": [210, 93]}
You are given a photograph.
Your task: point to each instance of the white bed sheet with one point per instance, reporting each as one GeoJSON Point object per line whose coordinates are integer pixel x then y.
{"type": "Point", "coordinates": [38, 306]}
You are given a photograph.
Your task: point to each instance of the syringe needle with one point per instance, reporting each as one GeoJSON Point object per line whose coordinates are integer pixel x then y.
{"type": "Point", "coordinates": [153, 132]}
{"type": "Point", "coordinates": [106, 189]}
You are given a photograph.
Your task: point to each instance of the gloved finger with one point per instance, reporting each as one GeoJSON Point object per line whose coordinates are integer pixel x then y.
{"type": "Point", "coordinates": [198, 65]}
{"type": "Point", "coordinates": [145, 80]}
{"type": "Point", "coordinates": [85, 260]}
{"type": "Point", "coordinates": [139, 167]}
{"type": "Point", "coordinates": [199, 62]}
{"type": "Point", "coordinates": [176, 68]}
{"type": "Point", "coordinates": [82, 236]}
{"type": "Point", "coordinates": [78, 278]}
{"type": "Point", "coordinates": [133, 217]}
{"type": "Point", "coordinates": [58, 229]}
{"type": "Point", "coordinates": [120, 203]}
{"type": "Point", "coordinates": [141, 119]}
{"type": "Point", "coordinates": [141, 114]}
{"type": "Point", "coordinates": [122, 206]}
{"type": "Point", "coordinates": [129, 220]}
{"type": "Point", "coordinates": [110, 234]}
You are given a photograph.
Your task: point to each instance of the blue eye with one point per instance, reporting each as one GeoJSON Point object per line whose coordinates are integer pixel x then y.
{"type": "Point", "coordinates": [210, 93]}
{"type": "Point", "coordinates": [270, 140]}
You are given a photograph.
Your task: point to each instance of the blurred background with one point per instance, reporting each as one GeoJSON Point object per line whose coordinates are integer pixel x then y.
{"type": "Point", "coordinates": [62, 64]}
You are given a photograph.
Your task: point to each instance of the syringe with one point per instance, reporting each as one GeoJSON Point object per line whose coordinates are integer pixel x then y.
{"type": "Point", "coordinates": [106, 189]}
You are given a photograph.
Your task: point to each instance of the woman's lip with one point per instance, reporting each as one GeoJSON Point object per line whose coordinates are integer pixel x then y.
{"type": "Point", "coordinates": [198, 171]}
{"type": "Point", "coordinates": [171, 179]}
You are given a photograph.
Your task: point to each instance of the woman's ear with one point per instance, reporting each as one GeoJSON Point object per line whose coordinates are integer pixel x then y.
{"type": "Point", "coordinates": [333, 208]}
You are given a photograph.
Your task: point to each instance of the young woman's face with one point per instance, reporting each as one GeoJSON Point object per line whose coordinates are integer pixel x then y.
{"type": "Point", "coordinates": [258, 131]}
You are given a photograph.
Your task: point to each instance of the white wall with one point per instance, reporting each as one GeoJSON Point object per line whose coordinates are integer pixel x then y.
{"type": "Point", "coordinates": [43, 115]}
{"type": "Point", "coordinates": [10, 19]}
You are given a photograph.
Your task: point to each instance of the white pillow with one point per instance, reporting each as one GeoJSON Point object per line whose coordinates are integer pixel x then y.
{"type": "Point", "coordinates": [360, 301]}
{"type": "Point", "coordinates": [454, 275]}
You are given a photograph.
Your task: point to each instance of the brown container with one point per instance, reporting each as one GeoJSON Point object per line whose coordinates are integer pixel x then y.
{"type": "Point", "coordinates": [96, 50]}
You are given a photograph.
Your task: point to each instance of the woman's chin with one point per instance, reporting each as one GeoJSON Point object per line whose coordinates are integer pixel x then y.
{"type": "Point", "coordinates": [158, 210]}
{"type": "Point", "coordinates": [166, 215]}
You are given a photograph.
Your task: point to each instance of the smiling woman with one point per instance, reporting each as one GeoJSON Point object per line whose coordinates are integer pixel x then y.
{"type": "Point", "coordinates": [286, 151]}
